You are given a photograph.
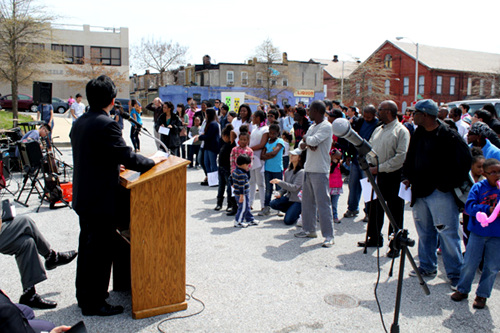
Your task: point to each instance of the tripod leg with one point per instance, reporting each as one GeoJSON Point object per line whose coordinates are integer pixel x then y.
{"type": "Point", "coordinates": [397, 307]}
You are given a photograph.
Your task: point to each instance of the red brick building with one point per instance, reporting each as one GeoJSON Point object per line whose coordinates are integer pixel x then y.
{"type": "Point", "coordinates": [333, 71]}
{"type": "Point", "coordinates": [444, 74]}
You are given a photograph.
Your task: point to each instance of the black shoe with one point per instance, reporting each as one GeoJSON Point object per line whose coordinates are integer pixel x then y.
{"type": "Point", "coordinates": [36, 301]}
{"type": "Point", "coordinates": [392, 253]}
{"type": "Point", "coordinates": [229, 208]}
{"type": "Point", "coordinates": [104, 311]}
{"type": "Point", "coordinates": [232, 212]}
{"type": "Point", "coordinates": [371, 243]}
{"type": "Point", "coordinates": [218, 207]}
{"type": "Point", "coordinates": [204, 183]}
{"type": "Point", "coordinates": [59, 259]}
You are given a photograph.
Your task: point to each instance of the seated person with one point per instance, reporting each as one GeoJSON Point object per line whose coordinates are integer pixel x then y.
{"type": "Point", "coordinates": [21, 237]}
{"type": "Point", "coordinates": [287, 200]}
{"type": "Point", "coordinates": [35, 135]}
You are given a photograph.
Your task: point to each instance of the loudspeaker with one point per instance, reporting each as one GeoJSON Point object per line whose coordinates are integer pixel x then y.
{"type": "Point", "coordinates": [31, 153]}
{"type": "Point", "coordinates": [42, 92]}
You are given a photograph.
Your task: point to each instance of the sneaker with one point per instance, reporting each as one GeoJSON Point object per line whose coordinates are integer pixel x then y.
{"type": "Point", "coordinates": [350, 213]}
{"type": "Point", "coordinates": [453, 286]}
{"type": "Point", "coordinates": [336, 220]}
{"type": "Point", "coordinates": [253, 222]}
{"type": "Point", "coordinates": [305, 234]}
{"type": "Point", "coordinates": [265, 211]}
{"type": "Point", "coordinates": [457, 296]}
{"type": "Point", "coordinates": [299, 222]}
{"type": "Point", "coordinates": [281, 214]}
{"type": "Point", "coordinates": [479, 302]}
{"type": "Point", "coordinates": [365, 219]}
{"type": "Point", "coordinates": [241, 225]}
{"type": "Point", "coordinates": [423, 273]}
{"type": "Point", "coordinates": [328, 242]}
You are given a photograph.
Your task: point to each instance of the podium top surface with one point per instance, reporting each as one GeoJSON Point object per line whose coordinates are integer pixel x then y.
{"type": "Point", "coordinates": [130, 178]}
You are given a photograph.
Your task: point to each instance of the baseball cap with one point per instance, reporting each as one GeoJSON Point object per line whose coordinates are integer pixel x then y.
{"type": "Point", "coordinates": [427, 106]}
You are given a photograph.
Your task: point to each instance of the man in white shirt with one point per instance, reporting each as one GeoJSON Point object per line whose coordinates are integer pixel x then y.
{"type": "Point", "coordinates": [462, 127]}
{"type": "Point", "coordinates": [77, 108]}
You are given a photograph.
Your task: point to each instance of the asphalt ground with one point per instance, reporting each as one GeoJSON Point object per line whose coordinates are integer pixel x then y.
{"type": "Point", "coordinates": [262, 278]}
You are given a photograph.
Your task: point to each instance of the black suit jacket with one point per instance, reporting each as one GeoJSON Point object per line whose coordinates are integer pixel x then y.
{"type": "Point", "coordinates": [98, 151]}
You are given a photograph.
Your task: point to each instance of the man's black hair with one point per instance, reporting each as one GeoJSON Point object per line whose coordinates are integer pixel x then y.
{"type": "Point", "coordinates": [100, 92]}
{"type": "Point", "coordinates": [318, 106]}
{"type": "Point", "coordinates": [465, 106]}
{"type": "Point", "coordinates": [484, 115]}
{"type": "Point", "coordinates": [328, 103]}
{"type": "Point", "coordinates": [336, 113]}
{"type": "Point", "coordinates": [225, 107]}
{"type": "Point", "coordinates": [243, 159]}
{"type": "Point", "coordinates": [78, 95]}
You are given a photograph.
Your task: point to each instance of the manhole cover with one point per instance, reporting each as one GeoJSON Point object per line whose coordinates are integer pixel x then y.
{"type": "Point", "coordinates": [342, 300]}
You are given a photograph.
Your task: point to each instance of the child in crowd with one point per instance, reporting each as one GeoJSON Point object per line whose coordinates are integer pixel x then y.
{"type": "Point", "coordinates": [194, 148]}
{"type": "Point", "coordinates": [475, 175]}
{"type": "Point", "coordinates": [335, 180]}
{"type": "Point", "coordinates": [287, 139]}
{"type": "Point", "coordinates": [244, 138]}
{"type": "Point", "coordinates": [483, 197]}
{"type": "Point", "coordinates": [225, 170]}
{"type": "Point", "coordinates": [135, 113]}
{"type": "Point", "coordinates": [241, 186]}
{"type": "Point", "coordinates": [272, 154]}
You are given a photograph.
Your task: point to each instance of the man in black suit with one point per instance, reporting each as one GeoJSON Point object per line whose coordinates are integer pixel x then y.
{"type": "Point", "coordinates": [98, 152]}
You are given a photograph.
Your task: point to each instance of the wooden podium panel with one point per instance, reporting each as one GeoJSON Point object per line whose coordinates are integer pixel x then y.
{"type": "Point", "coordinates": [158, 238]}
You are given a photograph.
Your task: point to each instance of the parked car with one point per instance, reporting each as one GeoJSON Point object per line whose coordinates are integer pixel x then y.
{"type": "Point", "coordinates": [476, 104]}
{"type": "Point", "coordinates": [59, 105]}
{"type": "Point", "coordinates": [25, 102]}
{"type": "Point", "coordinates": [124, 102]}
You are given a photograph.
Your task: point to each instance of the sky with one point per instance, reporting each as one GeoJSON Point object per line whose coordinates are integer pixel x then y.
{"type": "Point", "coordinates": [230, 30]}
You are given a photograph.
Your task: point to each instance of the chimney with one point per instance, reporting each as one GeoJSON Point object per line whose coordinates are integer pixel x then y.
{"type": "Point", "coordinates": [285, 58]}
{"type": "Point", "coordinates": [335, 58]}
{"type": "Point", "coordinates": [147, 72]}
{"type": "Point", "coordinates": [250, 61]}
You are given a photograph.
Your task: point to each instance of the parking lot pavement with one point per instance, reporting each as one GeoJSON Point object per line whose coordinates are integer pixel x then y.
{"type": "Point", "coordinates": [262, 278]}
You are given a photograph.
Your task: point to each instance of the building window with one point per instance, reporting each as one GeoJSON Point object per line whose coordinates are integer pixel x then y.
{"type": "Point", "coordinates": [303, 77]}
{"type": "Point", "coordinates": [273, 82]}
{"type": "Point", "coordinates": [315, 79]}
{"type": "Point", "coordinates": [73, 54]}
{"type": "Point", "coordinates": [107, 55]}
{"type": "Point", "coordinates": [421, 85]}
{"type": "Point", "coordinates": [370, 87]}
{"type": "Point", "coordinates": [259, 79]}
{"type": "Point", "coordinates": [244, 78]}
{"type": "Point", "coordinates": [406, 85]}
{"type": "Point", "coordinates": [439, 85]}
{"type": "Point", "coordinates": [358, 88]}
{"type": "Point", "coordinates": [469, 86]}
{"type": "Point", "coordinates": [481, 87]}
{"type": "Point", "coordinates": [492, 88]}
{"type": "Point", "coordinates": [387, 86]}
{"type": "Point", "coordinates": [229, 77]}
{"type": "Point", "coordinates": [404, 106]}
{"type": "Point", "coordinates": [452, 85]}
{"type": "Point", "coordinates": [388, 61]}
{"type": "Point", "coordinates": [285, 82]}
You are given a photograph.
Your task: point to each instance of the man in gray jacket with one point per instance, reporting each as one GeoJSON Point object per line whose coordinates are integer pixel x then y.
{"type": "Point", "coordinates": [315, 197]}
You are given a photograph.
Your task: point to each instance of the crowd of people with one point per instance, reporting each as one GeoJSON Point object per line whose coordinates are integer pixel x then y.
{"type": "Point", "coordinates": [291, 158]}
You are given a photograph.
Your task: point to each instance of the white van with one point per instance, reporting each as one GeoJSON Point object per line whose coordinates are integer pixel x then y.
{"type": "Point", "coordinates": [476, 104]}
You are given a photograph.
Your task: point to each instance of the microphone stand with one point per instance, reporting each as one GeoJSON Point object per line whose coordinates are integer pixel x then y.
{"type": "Point", "coordinates": [400, 241]}
{"type": "Point", "coordinates": [146, 133]}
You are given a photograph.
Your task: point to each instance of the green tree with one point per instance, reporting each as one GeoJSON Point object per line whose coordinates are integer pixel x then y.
{"type": "Point", "coordinates": [24, 25]}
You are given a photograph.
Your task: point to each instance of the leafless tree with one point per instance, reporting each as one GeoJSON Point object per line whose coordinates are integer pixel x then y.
{"type": "Point", "coordinates": [158, 55]}
{"type": "Point", "coordinates": [24, 25]}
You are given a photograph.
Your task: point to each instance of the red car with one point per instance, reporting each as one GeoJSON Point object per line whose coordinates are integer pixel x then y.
{"type": "Point", "coordinates": [25, 102]}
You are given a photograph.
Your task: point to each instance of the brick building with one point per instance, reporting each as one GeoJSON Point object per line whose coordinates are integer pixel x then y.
{"type": "Point", "coordinates": [444, 74]}
{"type": "Point", "coordinates": [334, 70]}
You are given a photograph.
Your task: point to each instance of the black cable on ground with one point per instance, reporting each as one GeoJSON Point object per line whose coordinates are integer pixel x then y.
{"type": "Point", "coordinates": [188, 297]}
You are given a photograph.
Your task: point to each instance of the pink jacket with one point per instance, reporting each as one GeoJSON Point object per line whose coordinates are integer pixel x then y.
{"type": "Point", "coordinates": [335, 178]}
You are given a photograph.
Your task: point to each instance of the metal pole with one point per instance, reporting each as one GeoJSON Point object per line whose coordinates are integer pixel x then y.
{"type": "Point", "coordinates": [342, 84]}
{"type": "Point", "coordinates": [416, 75]}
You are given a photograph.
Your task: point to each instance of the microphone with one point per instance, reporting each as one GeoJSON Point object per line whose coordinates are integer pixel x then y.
{"type": "Point", "coordinates": [126, 115]}
{"type": "Point", "coordinates": [342, 128]}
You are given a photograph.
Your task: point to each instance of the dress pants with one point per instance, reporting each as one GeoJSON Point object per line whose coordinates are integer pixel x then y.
{"type": "Point", "coordinates": [389, 183]}
{"type": "Point", "coordinates": [316, 203]}
{"type": "Point", "coordinates": [95, 255]}
{"type": "Point", "coordinates": [21, 238]}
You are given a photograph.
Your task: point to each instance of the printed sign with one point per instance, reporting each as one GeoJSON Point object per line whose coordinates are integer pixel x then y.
{"type": "Point", "coordinates": [304, 93]}
{"type": "Point", "coordinates": [233, 99]}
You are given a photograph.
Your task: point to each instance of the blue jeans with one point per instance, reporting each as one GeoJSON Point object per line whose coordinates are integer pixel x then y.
{"type": "Point", "coordinates": [268, 175]}
{"type": "Point", "coordinates": [210, 160]}
{"type": "Point", "coordinates": [436, 217]}
{"type": "Point", "coordinates": [291, 209]}
{"type": "Point", "coordinates": [354, 187]}
{"type": "Point", "coordinates": [335, 202]}
{"type": "Point", "coordinates": [473, 255]}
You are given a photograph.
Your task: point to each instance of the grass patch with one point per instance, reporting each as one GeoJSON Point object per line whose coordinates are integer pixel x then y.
{"type": "Point", "coordinates": [6, 119]}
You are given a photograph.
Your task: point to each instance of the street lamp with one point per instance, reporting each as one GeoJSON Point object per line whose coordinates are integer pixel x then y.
{"type": "Point", "coordinates": [336, 59]}
{"type": "Point", "coordinates": [416, 66]}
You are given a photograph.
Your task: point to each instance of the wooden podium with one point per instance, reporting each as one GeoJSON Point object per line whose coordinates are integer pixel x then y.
{"type": "Point", "coordinates": [157, 238]}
